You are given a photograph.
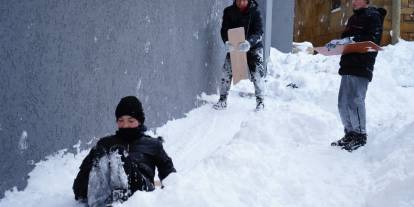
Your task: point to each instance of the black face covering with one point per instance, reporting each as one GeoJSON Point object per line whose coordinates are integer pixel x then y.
{"type": "Point", "coordinates": [129, 134]}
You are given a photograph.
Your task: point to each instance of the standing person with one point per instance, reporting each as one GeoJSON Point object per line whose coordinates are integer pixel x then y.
{"type": "Point", "coordinates": [243, 13]}
{"type": "Point", "coordinates": [356, 69]}
{"type": "Point", "coordinates": [123, 163]}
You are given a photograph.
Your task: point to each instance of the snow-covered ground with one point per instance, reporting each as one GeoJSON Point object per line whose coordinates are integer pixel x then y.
{"type": "Point", "coordinates": [280, 156]}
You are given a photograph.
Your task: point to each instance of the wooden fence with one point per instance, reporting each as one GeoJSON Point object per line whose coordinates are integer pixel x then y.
{"type": "Point", "coordinates": [319, 21]}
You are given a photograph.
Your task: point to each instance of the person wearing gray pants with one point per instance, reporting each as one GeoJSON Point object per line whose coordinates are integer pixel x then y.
{"type": "Point", "coordinates": [366, 24]}
{"type": "Point", "coordinates": [255, 76]}
{"type": "Point", "coordinates": [351, 103]}
{"type": "Point", "coordinates": [246, 14]}
{"type": "Point", "coordinates": [351, 106]}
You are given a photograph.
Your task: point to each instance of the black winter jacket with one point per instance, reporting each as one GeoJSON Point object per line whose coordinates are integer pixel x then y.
{"type": "Point", "coordinates": [144, 153]}
{"type": "Point", "coordinates": [251, 21]}
{"type": "Point", "coordinates": [365, 25]}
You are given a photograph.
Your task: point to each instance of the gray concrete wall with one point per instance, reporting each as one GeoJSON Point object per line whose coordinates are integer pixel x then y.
{"type": "Point", "coordinates": [282, 24]}
{"type": "Point", "coordinates": [278, 17]}
{"type": "Point", "coordinates": [64, 66]}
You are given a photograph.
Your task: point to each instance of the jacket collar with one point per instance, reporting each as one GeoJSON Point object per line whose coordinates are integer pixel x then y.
{"type": "Point", "coordinates": [360, 11]}
{"type": "Point", "coordinates": [129, 135]}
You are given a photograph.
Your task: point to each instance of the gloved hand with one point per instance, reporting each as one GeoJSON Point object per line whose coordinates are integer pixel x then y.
{"type": "Point", "coordinates": [333, 43]}
{"type": "Point", "coordinates": [229, 47]}
{"type": "Point", "coordinates": [244, 46]}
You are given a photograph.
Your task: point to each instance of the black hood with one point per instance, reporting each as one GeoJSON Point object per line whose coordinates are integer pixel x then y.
{"type": "Point", "coordinates": [252, 4]}
{"type": "Point", "coordinates": [373, 10]}
{"type": "Point", "coordinates": [383, 13]}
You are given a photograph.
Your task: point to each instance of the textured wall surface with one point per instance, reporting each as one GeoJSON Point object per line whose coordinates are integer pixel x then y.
{"type": "Point", "coordinates": [282, 25]}
{"type": "Point", "coordinates": [64, 65]}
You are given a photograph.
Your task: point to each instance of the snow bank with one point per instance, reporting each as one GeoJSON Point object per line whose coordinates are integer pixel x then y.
{"type": "Point", "coordinates": [280, 156]}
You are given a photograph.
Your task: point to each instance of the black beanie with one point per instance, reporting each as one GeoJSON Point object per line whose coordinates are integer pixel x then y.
{"type": "Point", "coordinates": [130, 106]}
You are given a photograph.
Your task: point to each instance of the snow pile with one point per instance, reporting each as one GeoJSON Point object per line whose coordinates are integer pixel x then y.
{"type": "Point", "coordinates": [280, 156]}
{"type": "Point", "coordinates": [302, 47]}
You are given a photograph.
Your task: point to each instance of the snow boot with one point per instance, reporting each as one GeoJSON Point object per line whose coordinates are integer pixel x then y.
{"type": "Point", "coordinates": [221, 104]}
{"type": "Point", "coordinates": [358, 140]}
{"type": "Point", "coordinates": [259, 104]}
{"type": "Point", "coordinates": [343, 141]}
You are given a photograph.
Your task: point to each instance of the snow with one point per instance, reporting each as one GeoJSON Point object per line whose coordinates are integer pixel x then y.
{"type": "Point", "coordinates": [280, 156]}
{"type": "Point", "coordinates": [303, 47]}
{"type": "Point", "coordinates": [22, 145]}
{"type": "Point", "coordinates": [336, 10]}
{"type": "Point", "coordinates": [109, 174]}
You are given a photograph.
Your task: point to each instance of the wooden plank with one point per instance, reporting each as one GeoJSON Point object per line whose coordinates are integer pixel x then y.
{"type": "Point", "coordinates": [387, 25]}
{"type": "Point", "coordinates": [404, 3]}
{"type": "Point", "coordinates": [407, 27]}
{"type": "Point", "coordinates": [408, 18]}
{"type": "Point", "coordinates": [386, 39]}
{"type": "Point", "coordinates": [238, 59]}
{"type": "Point", "coordinates": [407, 10]}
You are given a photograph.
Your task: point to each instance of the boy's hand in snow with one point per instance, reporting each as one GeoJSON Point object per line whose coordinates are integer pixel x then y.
{"type": "Point", "coordinates": [170, 180]}
{"type": "Point", "coordinates": [244, 46]}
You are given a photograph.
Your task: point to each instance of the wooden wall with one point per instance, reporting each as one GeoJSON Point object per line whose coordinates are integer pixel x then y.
{"type": "Point", "coordinates": [316, 22]}
{"type": "Point", "coordinates": [407, 19]}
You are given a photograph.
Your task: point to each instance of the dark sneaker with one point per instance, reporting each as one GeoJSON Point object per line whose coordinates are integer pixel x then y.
{"type": "Point", "coordinates": [343, 141]}
{"type": "Point", "coordinates": [221, 104]}
{"type": "Point", "coordinates": [357, 141]}
{"type": "Point", "coordinates": [259, 104]}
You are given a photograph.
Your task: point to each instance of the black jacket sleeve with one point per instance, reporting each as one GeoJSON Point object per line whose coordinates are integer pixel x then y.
{"type": "Point", "coordinates": [80, 185]}
{"type": "Point", "coordinates": [225, 25]}
{"type": "Point", "coordinates": [164, 163]}
{"type": "Point", "coordinates": [255, 33]}
{"type": "Point", "coordinates": [373, 32]}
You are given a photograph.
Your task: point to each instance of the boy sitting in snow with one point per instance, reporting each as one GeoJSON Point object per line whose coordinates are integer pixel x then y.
{"type": "Point", "coordinates": [122, 163]}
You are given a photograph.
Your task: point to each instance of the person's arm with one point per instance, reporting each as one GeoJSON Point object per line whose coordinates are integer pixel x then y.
{"type": "Point", "coordinates": [80, 185]}
{"type": "Point", "coordinates": [256, 28]}
{"type": "Point", "coordinates": [373, 32]}
{"type": "Point", "coordinates": [225, 25]}
{"type": "Point", "coordinates": [164, 163]}
{"type": "Point", "coordinates": [346, 34]}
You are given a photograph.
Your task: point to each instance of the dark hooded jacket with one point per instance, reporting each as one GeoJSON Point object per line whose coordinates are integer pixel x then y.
{"type": "Point", "coordinates": [365, 25]}
{"type": "Point", "coordinates": [144, 154]}
{"type": "Point", "coordinates": [250, 20]}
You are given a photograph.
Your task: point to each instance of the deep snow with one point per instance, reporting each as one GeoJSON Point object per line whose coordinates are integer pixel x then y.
{"type": "Point", "coordinates": [280, 156]}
